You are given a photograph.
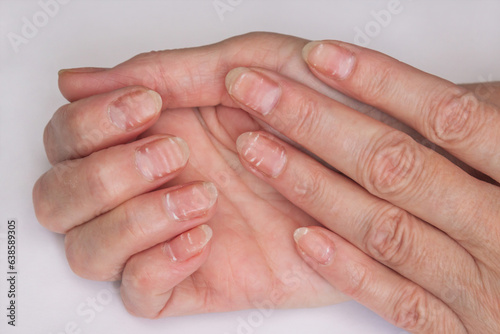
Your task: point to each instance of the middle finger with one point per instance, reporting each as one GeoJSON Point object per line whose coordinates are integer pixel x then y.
{"type": "Point", "coordinates": [386, 162]}
{"type": "Point", "coordinates": [402, 242]}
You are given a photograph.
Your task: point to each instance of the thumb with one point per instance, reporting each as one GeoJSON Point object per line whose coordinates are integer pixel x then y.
{"type": "Point", "coordinates": [194, 76]}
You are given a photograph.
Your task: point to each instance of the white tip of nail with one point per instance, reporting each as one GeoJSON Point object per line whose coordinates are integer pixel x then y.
{"type": "Point", "coordinates": [157, 98]}
{"type": "Point", "coordinates": [299, 233]}
{"type": "Point", "coordinates": [183, 146]}
{"type": "Point", "coordinates": [212, 192]}
{"type": "Point", "coordinates": [233, 76]}
{"type": "Point", "coordinates": [242, 139]}
{"type": "Point", "coordinates": [208, 232]}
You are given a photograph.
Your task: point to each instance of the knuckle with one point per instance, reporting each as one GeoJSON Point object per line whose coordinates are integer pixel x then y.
{"type": "Point", "coordinates": [89, 259]}
{"type": "Point", "coordinates": [391, 165]}
{"type": "Point", "coordinates": [76, 258]}
{"type": "Point", "coordinates": [47, 209]}
{"type": "Point", "coordinates": [41, 206]}
{"type": "Point", "coordinates": [452, 116]}
{"type": "Point", "coordinates": [49, 142]}
{"type": "Point", "coordinates": [388, 238]}
{"type": "Point", "coordinates": [411, 310]}
{"type": "Point", "coordinates": [304, 121]}
{"type": "Point", "coordinates": [142, 278]}
{"type": "Point", "coordinates": [136, 311]}
{"type": "Point", "coordinates": [79, 140]}
{"type": "Point", "coordinates": [309, 188]}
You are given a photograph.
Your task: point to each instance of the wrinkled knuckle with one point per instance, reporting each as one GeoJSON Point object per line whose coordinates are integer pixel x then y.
{"type": "Point", "coordinates": [388, 238]}
{"type": "Point", "coordinates": [392, 165]}
{"type": "Point", "coordinates": [411, 311]}
{"type": "Point", "coordinates": [309, 188]}
{"type": "Point", "coordinates": [373, 86]}
{"type": "Point", "coordinates": [452, 116]}
{"type": "Point", "coordinates": [304, 121]}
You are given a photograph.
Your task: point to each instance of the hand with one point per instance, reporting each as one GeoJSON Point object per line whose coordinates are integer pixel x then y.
{"type": "Point", "coordinates": [116, 219]}
{"type": "Point", "coordinates": [408, 233]}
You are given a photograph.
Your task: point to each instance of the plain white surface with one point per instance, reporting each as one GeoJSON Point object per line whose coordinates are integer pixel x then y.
{"type": "Point", "coordinates": [458, 40]}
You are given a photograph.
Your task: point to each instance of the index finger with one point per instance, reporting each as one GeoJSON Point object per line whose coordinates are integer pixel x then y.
{"type": "Point", "coordinates": [451, 116]}
{"type": "Point", "coordinates": [194, 77]}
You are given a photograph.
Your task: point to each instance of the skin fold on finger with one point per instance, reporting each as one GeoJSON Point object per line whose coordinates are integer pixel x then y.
{"type": "Point", "coordinates": [386, 162]}
{"type": "Point", "coordinates": [88, 125]}
{"type": "Point", "coordinates": [396, 299]}
{"type": "Point", "coordinates": [450, 116]}
{"type": "Point", "coordinates": [409, 246]}
{"type": "Point", "coordinates": [74, 192]}
{"type": "Point", "coordinates": [150, 277]}
{"type": "Point", "coordinates": [99, 249]}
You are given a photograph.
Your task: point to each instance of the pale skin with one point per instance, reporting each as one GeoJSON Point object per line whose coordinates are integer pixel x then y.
{"type": "Point", "coordinates": [104, 194]}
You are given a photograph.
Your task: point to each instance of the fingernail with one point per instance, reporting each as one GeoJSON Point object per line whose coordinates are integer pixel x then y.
{"type": "Point", "coordinates": [191, 201]}
{"type": "Point", "coordinates": [82, 70]}
{"type": "Point", "coordinates": [253, 89]}
{"type": "Point", "coordinates": [161, 157]}
{"type": "Point", "coordinates": [135, 108]}
{"type": "Point", "coordinates": [315, 245]}
{"type": "Point", "coordinates": [188, 244]}
{"type": "Point", "coordinates": [262, 153]}
{"type": "Point", "coordinates": [329, 59]}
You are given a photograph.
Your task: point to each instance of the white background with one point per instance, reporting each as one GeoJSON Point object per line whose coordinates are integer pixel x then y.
{"type": "Point", "coordinates": [458, 40]}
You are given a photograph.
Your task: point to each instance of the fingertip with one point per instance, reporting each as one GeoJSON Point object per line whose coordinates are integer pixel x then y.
{"type": "Point", "coordinates": [315, 245]}
{"type": "Point", "coordinates": [306, 50]}
{"type": "Point", "coordinates": [157, 99]}
{"type": "Point", "coordinates": [232, 77]}
{"type": "Point", "coordinates": [75, 84]}
{"type": "Point", "coordinates": [188, 245]}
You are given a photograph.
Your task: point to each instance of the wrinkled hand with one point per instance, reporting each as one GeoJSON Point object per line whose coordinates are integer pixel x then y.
{"type": "Point", "coordinates": [408, 233]}
{"type": "Point", "coordinates": [118, 200]}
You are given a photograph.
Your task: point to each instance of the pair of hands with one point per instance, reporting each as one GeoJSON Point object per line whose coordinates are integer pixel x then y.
{"type": "Point", "coordinates": [404, 231]}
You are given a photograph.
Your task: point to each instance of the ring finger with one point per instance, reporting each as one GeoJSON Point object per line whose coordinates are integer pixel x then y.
{"type": "Point", "coordinates": [386, 162]}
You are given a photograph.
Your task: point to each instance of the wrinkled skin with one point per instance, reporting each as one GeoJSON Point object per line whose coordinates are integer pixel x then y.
{"type": "Point", "coordinates": [252, 260]}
